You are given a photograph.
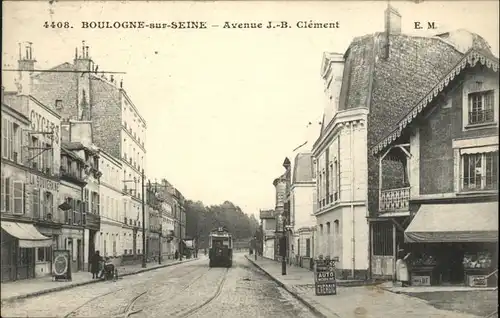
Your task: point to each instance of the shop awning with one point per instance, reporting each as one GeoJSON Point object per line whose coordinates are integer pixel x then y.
{"type": "Point", "coordinates": [465, 222]}
{"type": "Point", "coordinates": [27, 234]}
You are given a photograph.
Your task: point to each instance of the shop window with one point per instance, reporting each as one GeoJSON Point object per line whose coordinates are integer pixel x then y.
{"type": "Point", "coordinates": [382, 239]}
{"type": "Point", "coordinates": [43, 254]}
{"type": "Point", "coordinates": [480, 171]}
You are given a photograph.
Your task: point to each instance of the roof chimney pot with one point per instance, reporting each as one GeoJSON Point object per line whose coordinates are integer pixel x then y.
{"type": "Point", "coordinates": [392, 20]}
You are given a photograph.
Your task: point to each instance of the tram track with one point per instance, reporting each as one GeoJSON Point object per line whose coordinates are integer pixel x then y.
{"type": "Point", "coordinates": [129, 307]}
{"type": "Point", "coordinates": [196, 309]}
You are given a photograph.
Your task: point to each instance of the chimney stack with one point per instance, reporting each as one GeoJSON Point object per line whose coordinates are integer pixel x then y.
{"type": "Point", "coordinates": [26, 66]}
{"type": "Point", "coordinates": [392, 21]}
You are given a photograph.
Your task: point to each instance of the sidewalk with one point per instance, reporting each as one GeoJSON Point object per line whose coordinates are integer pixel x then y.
{"type": "Point", "coordinates": [33, 287]}
{"type": "Point", "coordinates": [350, 302]}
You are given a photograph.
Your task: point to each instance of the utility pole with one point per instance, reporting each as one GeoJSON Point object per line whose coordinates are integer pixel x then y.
{"type": "Point", "coordinates": [143, 223]}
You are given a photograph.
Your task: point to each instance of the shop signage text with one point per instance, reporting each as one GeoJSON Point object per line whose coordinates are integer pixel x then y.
{"type": "Point", "coordinates": [421, 280]}
{"type": "Point", "coordinates": [43, 183]}
{"type": "Point", "coordinates": [478, 281]}
{"type": "Point", "coordinates": [42, 124]}
{"type": "Point", "coordinates": [325, 282]}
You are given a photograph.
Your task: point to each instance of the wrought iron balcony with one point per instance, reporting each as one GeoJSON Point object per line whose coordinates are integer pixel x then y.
{"type": "Point", "coordinates": [394, 200]}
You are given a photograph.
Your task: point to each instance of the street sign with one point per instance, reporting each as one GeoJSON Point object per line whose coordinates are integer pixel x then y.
{"type": "Point", "coordinates": [325, 282]}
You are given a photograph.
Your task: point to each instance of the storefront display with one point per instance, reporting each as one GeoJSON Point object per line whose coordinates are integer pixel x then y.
{"type": "Point", "coordinates": [422, 270]}
{"type": "Point", "coordinates": [477, 266]}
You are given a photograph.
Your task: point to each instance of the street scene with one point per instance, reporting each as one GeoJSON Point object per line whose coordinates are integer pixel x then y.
{"type": "Point", "coordinates": [196, 159]}
{"type": "Point", "coordinates": [187, 290]}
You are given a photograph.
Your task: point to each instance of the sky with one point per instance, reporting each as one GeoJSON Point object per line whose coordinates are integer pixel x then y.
{"type": "Point", "coordinates": [224, 107]}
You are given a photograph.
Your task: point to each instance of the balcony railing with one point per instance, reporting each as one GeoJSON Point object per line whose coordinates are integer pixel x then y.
{"type": "Point", "coordinates": [394, 200]}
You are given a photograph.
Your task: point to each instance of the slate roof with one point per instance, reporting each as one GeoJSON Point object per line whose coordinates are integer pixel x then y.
{"type": "Point", "coordinates": [470, 59]}
{"type": "Point", "coordinates": [303, 168]}
{"type": "Point", "coordinates": [389, 88]}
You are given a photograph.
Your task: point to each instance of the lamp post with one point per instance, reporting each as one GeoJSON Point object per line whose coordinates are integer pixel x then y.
{"type": "Point", "coordinates": [255, 246]}
{"type": "Point", "coordinates": [159, 241]}
{"type": "Point", "coordinates": [286, 214]}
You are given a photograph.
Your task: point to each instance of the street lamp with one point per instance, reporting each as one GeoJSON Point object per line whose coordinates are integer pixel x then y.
{"type": "Point", "coordinates": [255, 245]}
{"type": "Point", "coordinates": [286, 214]}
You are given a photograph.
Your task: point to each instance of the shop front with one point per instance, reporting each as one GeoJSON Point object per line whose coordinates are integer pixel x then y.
{"type": "Point", "coordinates": [41, 192]}
{"type": "Point", "coordinates": [454, 244]}
{"type": "Point", "coordinates": [20, 243]}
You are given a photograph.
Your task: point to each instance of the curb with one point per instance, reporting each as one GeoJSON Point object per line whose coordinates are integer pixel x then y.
{"type": "Point", "coordinates": [60, 288]}
{"type": "Point", "coordinates": [290, 291]}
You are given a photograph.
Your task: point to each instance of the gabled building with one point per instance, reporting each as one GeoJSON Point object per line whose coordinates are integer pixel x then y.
{"type": "Point", "coordinates": [302, 207]}
{"type": "Point", "coordinates": [368, 89]}
{"type": "Point", "coordinates": [443, 207]}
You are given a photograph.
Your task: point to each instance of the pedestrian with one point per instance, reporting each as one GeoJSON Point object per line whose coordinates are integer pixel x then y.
{"type": "Point", "coordinates": [176, 254]}
{"type": "Point", "coordinates": [402, 274]}
{"type": "Point", "coordinates": [95, 265]}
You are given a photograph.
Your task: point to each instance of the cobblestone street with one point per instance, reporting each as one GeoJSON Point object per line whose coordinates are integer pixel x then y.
{"type": "Point", "coordinates": [191, 289]}
{"type": "Point", "coordinates": [354, 302]}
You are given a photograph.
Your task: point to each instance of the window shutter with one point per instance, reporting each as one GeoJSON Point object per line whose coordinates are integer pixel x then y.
{"type": "Point", "coordinates": [2, 189]}
{"type": "Point", "coordinates": [5, 142]}
{"type": "Point", "coordinates": [18, 197]}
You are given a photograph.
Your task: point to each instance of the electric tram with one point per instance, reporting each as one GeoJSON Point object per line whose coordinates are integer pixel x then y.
{"type": "Point", "coordinates": [220, 247]}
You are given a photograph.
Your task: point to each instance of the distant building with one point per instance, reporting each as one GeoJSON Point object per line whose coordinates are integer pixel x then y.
{"type": "Point", "coordinates": [302, 204]}
{"type": "Point", "coordinates": [268, 223]}
{"type": "Point", "coordinates": [279, 211]}
{"type": "Point", "coordinates": [110, 241]}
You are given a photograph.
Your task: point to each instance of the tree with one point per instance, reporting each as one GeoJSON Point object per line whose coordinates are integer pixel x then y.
{"type": "Point", "coordinates": [201, 219]}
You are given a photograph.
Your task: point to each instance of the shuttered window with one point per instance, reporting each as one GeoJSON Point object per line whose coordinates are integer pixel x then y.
{"type": "Point", "coordinates": [18, 197]}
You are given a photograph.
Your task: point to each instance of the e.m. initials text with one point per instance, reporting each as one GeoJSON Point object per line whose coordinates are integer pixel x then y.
{"type": "Point", "coordinates": [430, 25]}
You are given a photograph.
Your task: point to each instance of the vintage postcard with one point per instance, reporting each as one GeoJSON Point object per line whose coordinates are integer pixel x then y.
{"type": "Point", "coordinates": [249, 159]}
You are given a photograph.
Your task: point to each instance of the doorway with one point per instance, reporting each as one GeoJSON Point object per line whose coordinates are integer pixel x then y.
{"type": "Point", "coordinates": [79, 264]}
{"type": "Point", "coordinates": [92, 235]}
{"type": "Point", "coordinates": [26, 263]}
